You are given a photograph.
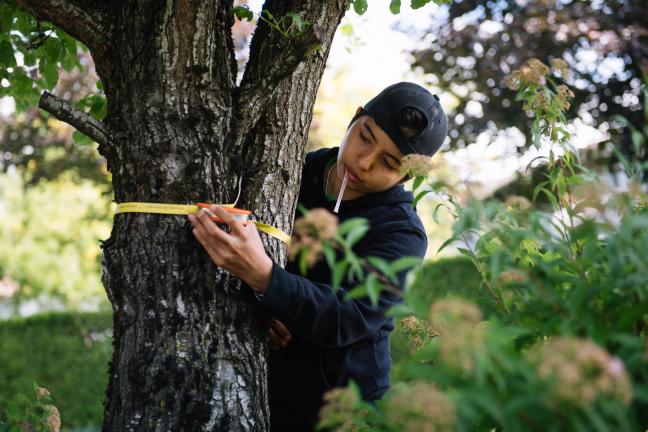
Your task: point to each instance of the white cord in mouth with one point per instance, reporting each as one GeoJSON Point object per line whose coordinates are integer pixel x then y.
{"type": "Point", "coordinates": [344, 182]}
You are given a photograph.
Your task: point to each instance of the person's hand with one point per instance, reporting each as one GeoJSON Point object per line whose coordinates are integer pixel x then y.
{"type": "Point", "coordinates": [279, 335]}
{"type": "Point", "coordinates": [240, 252]}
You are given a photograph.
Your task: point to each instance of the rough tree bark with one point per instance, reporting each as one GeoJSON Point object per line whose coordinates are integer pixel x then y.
{"type": "Point", "coordinates": [189, 349]}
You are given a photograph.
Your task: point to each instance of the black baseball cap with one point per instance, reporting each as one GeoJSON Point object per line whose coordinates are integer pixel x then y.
{"type": "Point", "coordinates": [386, 108]}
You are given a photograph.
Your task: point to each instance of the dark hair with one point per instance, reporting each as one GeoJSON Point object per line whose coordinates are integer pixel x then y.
{"type": "Point", "coordinates": [411, 121]}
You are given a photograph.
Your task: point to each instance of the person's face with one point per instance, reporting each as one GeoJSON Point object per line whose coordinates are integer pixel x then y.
{"type": "Point", "coordinates": [370, 156]}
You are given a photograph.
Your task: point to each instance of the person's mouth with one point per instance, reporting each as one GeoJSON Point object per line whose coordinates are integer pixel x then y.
{"type": "Point", "coordinates": [352, 175]}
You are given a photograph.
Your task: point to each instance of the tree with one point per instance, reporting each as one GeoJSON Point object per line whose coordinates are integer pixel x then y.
{"type": "Point", "coordinates": [604, 43]}
{"type": "Point", "coordinates": [189, 348]}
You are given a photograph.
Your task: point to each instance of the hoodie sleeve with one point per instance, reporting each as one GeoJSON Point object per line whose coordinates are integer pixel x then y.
{"type": "Point", "coordinates": [320, 315]}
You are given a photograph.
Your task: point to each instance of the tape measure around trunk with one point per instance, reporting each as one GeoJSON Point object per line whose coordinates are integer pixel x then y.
{"type": "Point", "coordinates": [184, 209]}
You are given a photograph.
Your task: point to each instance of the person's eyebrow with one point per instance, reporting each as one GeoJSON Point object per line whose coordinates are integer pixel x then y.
{"type": "Point", "coordinates": [398, 162]}
{"type": "Point", "coordinates": [365, 124]}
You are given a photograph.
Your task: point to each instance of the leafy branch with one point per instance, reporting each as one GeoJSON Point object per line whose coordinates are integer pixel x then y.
{"type": "Point", "coordinates": [290, 25]}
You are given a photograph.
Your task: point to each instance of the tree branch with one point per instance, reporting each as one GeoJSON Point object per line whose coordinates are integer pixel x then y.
{"type": "Point", "coordinates": [84, 20]}
{"type": "Point", "coordinates": [68, 114]}
{"type": "Point", "coordinates": [259, 83]}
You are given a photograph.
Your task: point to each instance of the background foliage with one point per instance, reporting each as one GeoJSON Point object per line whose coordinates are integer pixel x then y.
{"type": "Point", "coordinates": [554, 335]}
{"type": "Point", "coordinates": [67, 353]}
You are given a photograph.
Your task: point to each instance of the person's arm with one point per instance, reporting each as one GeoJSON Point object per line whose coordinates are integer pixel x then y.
{"type": "Point", "coordinates": [321, 315]}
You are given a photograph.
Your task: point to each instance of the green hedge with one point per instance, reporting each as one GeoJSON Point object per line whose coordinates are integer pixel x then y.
{"type": "Point", "coordinates": [431, 283]}
{"type": "Point", "coordinates": [67, 353]}
{"type": "Point", "coordinates": [434, 278]}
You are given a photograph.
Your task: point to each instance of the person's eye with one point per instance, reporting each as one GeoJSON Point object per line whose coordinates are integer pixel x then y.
{"type": "Point", "coordinates": [387, 164]}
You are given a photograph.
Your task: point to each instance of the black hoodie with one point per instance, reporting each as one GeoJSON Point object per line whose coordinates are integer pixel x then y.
{"type": "Point", "coordinates": [335, 340]}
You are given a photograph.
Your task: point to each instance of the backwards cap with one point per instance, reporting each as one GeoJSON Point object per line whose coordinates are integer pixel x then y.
{"type": "Point", "coordinates": [386, 111]}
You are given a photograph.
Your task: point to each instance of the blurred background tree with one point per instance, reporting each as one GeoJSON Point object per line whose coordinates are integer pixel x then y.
{"type": "Point", "coordinates": [604, 42]}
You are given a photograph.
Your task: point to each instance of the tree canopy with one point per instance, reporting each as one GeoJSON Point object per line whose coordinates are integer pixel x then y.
{"type": "Point", "coordinates": [605, 44]}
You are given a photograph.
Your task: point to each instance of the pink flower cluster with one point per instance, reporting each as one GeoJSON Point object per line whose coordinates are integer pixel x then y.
{"type": "Point", "coordinates": [580, 372]}
{"type": "Point", "coordinates": [310, 231]}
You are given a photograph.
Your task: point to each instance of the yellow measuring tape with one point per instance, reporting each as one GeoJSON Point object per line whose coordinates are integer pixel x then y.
{"type": "Point", "coordinates": [184, 209]}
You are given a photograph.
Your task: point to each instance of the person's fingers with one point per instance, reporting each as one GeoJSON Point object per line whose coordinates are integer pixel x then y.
{"type": "Point", "coordinates": [275, 340]}
{"type": "Point", "coordinates": [210, 228]}
{"type": "Point", "coordinates": [201, 236]}
{"type": "Point", "coordinates": [281, 329]}
{"type": "Point", "coordinates": [235, 226]}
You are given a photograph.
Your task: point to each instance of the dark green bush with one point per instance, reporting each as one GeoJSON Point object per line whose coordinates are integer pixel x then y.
{"type": "Point", "coordinates": [433, 281]}
{"type": "Point", "coordinates": [67, 353]}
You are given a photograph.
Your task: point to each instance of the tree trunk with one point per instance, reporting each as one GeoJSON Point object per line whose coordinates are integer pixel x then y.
{"type": "Point", "coordinates": [190, 348]}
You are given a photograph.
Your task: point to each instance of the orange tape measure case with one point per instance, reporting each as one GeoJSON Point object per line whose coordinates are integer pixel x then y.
{"type": "Point", "coordinates": [240, 215]}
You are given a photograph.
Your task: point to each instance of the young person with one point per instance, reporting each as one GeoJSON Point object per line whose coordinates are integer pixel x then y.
{"type": "Point", "coordinates": [320, 341]}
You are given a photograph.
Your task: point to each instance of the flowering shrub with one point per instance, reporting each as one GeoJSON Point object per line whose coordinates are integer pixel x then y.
{"type": "Point", "coordinates": [38, 415]}
{"type": "Point", "coordinates": [562, 343]}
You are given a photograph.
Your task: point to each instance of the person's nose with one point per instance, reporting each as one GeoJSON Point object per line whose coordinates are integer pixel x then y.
{"type": "Point", "coordinates": [365, 161]}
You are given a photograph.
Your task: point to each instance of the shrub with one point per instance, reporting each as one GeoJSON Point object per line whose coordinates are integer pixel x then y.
{"type": "Point", "coordinates": [67, 353]}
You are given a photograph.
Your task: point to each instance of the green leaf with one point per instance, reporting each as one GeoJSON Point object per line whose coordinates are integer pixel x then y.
{"type": "Point", "coordinates": [404, 263]}
{"type": "Point", "coordinates": [394, 6]}
{"type": "Point", "coordinates": [551, 197]}
{"type": "Point", "coordinates": [297, 21]}
{"type": "Point", "coordinates": [356, 268]}
{"type": "Point", "coordinates": [446, 243]}
{"type": "Point", "coordinates": [435, 215]}
{"type": "Point", "coordinates": [30, 58]}
{"type": "Point", "coordinates": [302, 209]}
{"type": "Point", "coordinates": [98, 107]}
{"type": "Point", "coordinates": [382, 266]}
{"type": "Point", "coordinates": [329, 254]}
{"type": "Point", "coordinates": [419, 3]}
{"type": "Point", "coordinates": [400, 310]}
{"type": "Point", "coordinates": [360, 6]}
{"type": "Point", "coordinates": [339, 271]}
{"type": "Point", "coordinates": [22, 85]}
{"type": "Point", "coordinates": [243, 13]}
{"type": "Point", "coordinates": [303, 262]}
{"type": "Point", "coordinates": [356, 234]}
{"type": "Point", "coordinates": [418, 180]}
{"type": "Point", "coordinates": [349, 225]}
{"type": "Point", "coordinates": [7, 58]}
{"type": "Point", "coordinates": [6, 17]}
{"type": "Point", "coordinates": [466, 252]}
{"type": "Point", "coordinates": [419, 196]}
{"type": "Point", "coordinates": [357, 292]}
{"type": "Point", "coordinates": [81, 138]}
{"type": "Point", "coordinates": [537, 189]}
{"type": "Point", "coordinates": [25, 23]}
{"type": "Point", "coordinates": [69, 58]}
{"type": "Point", "coordinates": [52, 49]}
{"type": "Point", "coordinates": [373, 289]}
{"type": "Point", "coordinates": [49, 73]}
